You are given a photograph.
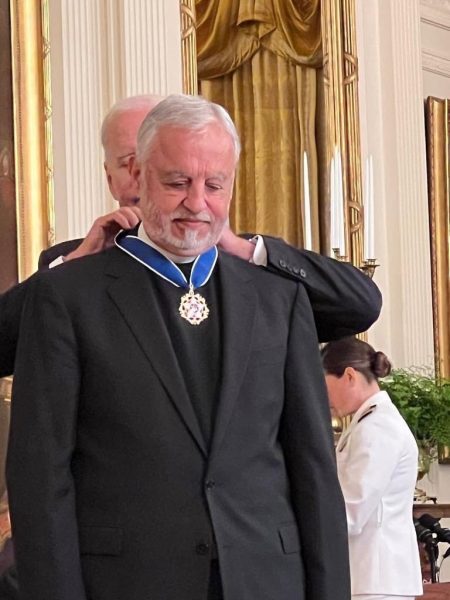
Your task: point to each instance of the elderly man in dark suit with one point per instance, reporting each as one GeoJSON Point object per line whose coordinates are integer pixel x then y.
{"type": "Point", "coordinates": [170, 433]}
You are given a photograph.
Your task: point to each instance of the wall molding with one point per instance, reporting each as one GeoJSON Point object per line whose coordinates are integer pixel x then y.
{"type": "Point", "coordinates": [436, 13]}
{"type": "Point", "coordinates": [435, 62]}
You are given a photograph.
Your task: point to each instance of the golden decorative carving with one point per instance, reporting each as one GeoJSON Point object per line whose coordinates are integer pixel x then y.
{"type": "Point", "coordinates": [438, 131]}
{"type": "Point", "coordinates": [188, 46]}
{"type": "Point", "coordinates": [32, 137]}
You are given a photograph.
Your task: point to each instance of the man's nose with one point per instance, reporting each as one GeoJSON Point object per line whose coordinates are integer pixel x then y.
{"type": "Point", "coordinates": [195, 199]}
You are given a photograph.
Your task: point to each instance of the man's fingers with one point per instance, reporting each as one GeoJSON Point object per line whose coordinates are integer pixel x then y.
{"type": "Point", "coordinates": [104, 229]}
{"type": "Point", "coordinates": [126, 217]}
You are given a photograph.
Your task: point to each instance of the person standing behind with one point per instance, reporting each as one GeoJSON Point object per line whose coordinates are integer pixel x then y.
{"type": "Point", "coordinates": [118, 135]}
{"type": "Point", "coordinates": [377, 468]}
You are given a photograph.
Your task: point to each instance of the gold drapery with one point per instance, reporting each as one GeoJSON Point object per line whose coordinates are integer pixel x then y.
{"type": "Point", "coordinates": [261, 59]}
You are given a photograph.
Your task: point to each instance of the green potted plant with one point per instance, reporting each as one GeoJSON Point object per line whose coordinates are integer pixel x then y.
{"type": "Point", "coordinates": [424, 402]}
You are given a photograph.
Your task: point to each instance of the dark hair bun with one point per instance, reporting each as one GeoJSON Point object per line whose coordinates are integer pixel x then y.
{"type": "Point", "coordinates": [380, 365]}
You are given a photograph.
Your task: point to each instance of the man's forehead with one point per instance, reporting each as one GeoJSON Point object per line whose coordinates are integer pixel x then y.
{"type": "Point", "coordinates": [185, 142]}
{"type": "Point", "coordinates": [122, 132]}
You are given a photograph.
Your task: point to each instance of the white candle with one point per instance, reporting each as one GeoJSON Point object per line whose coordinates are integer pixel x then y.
{"type": "Point", "coordinates": [369, 237]}
{"type": "Point", "coordinates": [333, 224]}
{"type": "Point", "coordinates": [340, 204]}
{"type": "Point", "coordinates": [307, 201]}
{"type": "Point", "coordinates": [366, 209]}
{"type": "Point", "coordinates": [372, 211]}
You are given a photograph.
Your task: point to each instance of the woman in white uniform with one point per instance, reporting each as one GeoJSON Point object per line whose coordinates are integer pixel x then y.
{"type": "Point", "coordinates": [377, 467]}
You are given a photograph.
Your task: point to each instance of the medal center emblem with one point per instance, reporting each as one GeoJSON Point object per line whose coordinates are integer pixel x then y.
{"type": "Point", "coordinates": [193, 308]}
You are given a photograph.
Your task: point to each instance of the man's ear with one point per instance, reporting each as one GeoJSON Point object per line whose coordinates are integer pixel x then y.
{"type": "Point", "coordinates": [108, 178]}
{"type": "Point", "coordinates": [134, 169]}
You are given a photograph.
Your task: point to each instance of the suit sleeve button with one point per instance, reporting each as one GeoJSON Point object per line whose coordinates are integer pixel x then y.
{"type": "Point", "coordinates": [296, 270]}
{"type": "Point", "coordinates": [302, 273]}
{"type": "Point", "coordinates": [210, 484]}
{"type": "Point", "coordinates": [202, 549]}
{"type": "Point", "coordinates": [282, 263]}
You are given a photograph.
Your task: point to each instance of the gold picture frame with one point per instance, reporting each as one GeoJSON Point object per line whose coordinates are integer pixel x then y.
{"type": "Point", "coordinates": [32, 173]}
{"type": "Point", "coordinates": [438, 164]}
{"type": "Point", "coordinates": [437, 113]}
{"type": "Point", "coordinates": [32, 131]}
{"type": "Point", "coordinates": [338, 22]}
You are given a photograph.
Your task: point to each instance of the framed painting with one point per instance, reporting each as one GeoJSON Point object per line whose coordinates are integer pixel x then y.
{"type": "Point", "coordinates": [26, 199]}
{"type": "Point", "coordinates": [438, 164]}
{"type": "Point", "coordinates": [8, 222]}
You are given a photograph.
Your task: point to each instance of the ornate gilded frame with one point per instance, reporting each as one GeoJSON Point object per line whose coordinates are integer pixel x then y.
{"type": "Point", "coordinates": [32, 131]}
{"type": "Point", "coordinates": [32, 137]}
{"type": "Point", "coordinates": [438, 162]}
{"type": "Point", "coordinates": [341, 97]}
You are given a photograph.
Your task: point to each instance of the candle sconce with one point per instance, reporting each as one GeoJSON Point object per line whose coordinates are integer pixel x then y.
{"type": "Point", "coordinates": [368, 267]}
{"type": "Point", "coordinates": [338, 256]}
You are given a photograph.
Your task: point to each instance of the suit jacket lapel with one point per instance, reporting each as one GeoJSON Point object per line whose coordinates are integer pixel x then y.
{"type": "Point", "coordinates": [239, 302]}
{"type": "Point", "coordinates": [132, 292]}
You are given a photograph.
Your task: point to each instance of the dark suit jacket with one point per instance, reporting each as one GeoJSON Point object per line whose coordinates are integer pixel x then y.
{"type": "Point", "coordinates": [113, 492]}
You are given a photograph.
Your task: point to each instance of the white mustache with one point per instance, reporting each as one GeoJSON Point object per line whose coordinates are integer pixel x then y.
{"type": "Point", "coordinates": [189, 216]}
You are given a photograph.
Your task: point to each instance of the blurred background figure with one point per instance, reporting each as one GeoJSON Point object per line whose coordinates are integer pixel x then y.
{"type": "Point", "coordinates": [377, 467]}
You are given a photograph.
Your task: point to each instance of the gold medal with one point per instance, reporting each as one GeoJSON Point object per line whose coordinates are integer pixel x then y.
{"type": "Point", "coordinates": [193, 307]}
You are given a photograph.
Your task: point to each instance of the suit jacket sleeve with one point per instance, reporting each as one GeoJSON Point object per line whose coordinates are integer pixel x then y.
{"type": "Point", "coordinates": [41, 444]}
{"type": "Point", "coordinates": [343, 299]}
{"type": "Point", "coordinates": [306, 438]}
{"type": "Point", "coordinates": [50, 254]}
{"type": "Point", "coordinates": [11, 304]}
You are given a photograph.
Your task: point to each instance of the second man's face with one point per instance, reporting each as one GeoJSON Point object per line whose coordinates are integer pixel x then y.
{"type": "Point", "coordinates": [120, 150]}
{"type": "Point", "coordinates": [185, 186]}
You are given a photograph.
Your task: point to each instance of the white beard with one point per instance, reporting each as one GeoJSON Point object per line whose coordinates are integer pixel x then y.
{"type": "Point", "coordinates": [158, 228]}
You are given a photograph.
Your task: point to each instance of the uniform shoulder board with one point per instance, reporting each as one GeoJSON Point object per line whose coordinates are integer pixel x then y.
{"type": "Point", "coordinates": [367, 412]}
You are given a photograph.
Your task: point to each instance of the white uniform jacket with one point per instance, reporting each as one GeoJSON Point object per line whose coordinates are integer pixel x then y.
{"type": "Point", "coordinates": [377, 467]}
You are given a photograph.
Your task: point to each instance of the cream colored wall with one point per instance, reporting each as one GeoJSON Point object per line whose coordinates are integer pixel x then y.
{"type": "Point", "coordinates": [102, 50]}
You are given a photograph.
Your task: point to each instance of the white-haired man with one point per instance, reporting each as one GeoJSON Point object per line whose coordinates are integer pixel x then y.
{"type": "Point", "coordinates": [170, 433]}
